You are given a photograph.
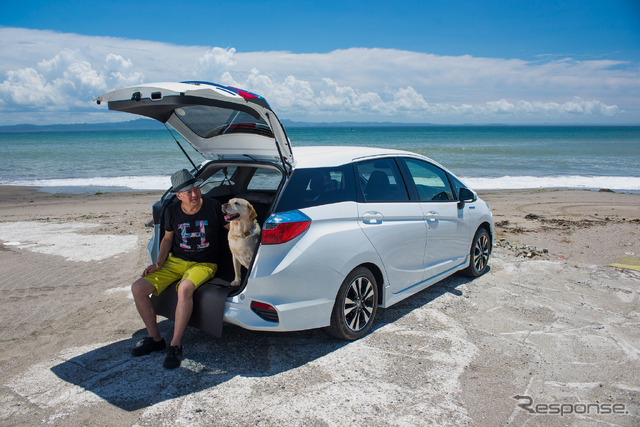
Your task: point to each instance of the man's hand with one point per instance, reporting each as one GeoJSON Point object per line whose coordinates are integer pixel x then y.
{"type": "Point", "coordinates": [150, 269]}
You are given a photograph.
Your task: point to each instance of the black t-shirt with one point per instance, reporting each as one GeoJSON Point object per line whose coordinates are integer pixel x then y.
{"type": "Point", "coordinates": [195, 236]}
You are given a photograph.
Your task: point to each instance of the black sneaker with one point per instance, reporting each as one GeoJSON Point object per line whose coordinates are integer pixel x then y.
{"type": "Point", "coordinates": [146, 346]}
{"type": "Point", "coordinates": [174, 357]}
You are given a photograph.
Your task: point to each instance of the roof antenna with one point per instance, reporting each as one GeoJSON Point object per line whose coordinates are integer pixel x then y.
{"type": "Point", "coordinates": [179, 145]}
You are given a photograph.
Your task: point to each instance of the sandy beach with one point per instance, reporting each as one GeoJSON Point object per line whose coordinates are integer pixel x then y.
{"type": "Point", "coordinates": [549, 336]}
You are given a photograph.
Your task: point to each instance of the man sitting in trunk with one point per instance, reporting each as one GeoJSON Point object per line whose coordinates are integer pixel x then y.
{"type": "Point", "coordinates": [188, 254]}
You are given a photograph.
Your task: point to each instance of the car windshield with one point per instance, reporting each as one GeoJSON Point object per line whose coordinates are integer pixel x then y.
{"type": "Point", "coordinates": [208, 121]}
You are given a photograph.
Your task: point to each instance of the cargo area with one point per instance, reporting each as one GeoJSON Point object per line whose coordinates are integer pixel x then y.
{"type": "Point", "coordinates": [259, 185]}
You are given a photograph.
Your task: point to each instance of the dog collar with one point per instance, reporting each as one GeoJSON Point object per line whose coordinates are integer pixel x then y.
{"type": "Point", "coordinates": [245, 234]}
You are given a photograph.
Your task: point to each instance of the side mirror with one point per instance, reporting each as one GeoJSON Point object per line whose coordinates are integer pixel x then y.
{"type": "Point", "coordinates": [466, 196]}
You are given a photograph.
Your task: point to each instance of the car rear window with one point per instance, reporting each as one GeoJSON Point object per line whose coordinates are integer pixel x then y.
{"type": "Point", "coordinates": [318, 186]}
{"type": "Point", "coordinates": [209, 121]}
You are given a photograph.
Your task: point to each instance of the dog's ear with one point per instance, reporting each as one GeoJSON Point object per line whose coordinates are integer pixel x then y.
{"type": "Point", "coordinates": [252, 212]}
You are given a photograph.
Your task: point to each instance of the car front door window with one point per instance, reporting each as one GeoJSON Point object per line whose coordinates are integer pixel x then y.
{"type": "Point", "coordinates": [431, 182]}
{"type": "Point", "coordinates": [447, 231]}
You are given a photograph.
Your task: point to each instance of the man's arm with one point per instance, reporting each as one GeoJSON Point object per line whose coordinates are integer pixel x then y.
{"type": "Point", "coordinates": [163, 253]}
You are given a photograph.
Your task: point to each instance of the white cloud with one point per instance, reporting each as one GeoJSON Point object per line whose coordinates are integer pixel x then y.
{"type": "Point", "coordinates": [216, 60]}
{"type": "Point", "coordinates": [65, 82]}
{"type": "Point", "coordinates": [23, 87]}
{"type": "Point", "coordinates": [575, 106]}
{"type": "Point", "coordinates": [57, 74]}
{"type": "Point", "coordinates": [408, 99]}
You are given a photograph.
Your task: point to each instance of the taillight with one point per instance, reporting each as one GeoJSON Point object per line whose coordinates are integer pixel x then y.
{"type": "Point", "coordinates": [282, 227]}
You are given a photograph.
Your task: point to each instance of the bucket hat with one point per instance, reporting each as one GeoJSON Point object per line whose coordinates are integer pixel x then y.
{"type": "Point", "coordinates": [183, 180]}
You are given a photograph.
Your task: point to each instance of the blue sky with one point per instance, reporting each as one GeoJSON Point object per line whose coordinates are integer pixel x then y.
{"type": "Point", "coordinates": [406, 61]}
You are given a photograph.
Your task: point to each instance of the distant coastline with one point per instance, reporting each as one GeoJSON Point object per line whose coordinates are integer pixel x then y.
{"type": "Point", "coordinates": [138, 124]}
{"type": "Point", "coordinates": [149, 124]}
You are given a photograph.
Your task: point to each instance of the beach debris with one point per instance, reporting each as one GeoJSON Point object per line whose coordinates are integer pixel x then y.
{"type": "Point", "coordinates": [523, 250]}
{"type": "Point", "coordinates": [630, 262]}
{"type": "Point", "coordinates": [561, 223]}
{"type": "Point", "coordinates": [506, 225]}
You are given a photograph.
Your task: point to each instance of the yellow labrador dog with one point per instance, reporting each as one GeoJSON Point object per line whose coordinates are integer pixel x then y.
{"type": "Point", "coordinates": [244, 233]}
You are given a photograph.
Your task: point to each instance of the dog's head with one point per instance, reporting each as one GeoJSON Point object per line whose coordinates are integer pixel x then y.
{"type": "Point", "coordinates": [239, 209]}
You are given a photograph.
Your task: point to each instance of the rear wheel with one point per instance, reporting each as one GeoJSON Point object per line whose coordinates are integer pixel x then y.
{"type": "Point", "coordinates": [480, 251]}
{"type": "Point", "coordinates": [355, 307]}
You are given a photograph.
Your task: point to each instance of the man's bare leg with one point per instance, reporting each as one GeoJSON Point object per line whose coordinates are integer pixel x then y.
{"type": "Point", "coordinates": [184, 308]}
{"type": "Point", "coordinates": [141, 290]}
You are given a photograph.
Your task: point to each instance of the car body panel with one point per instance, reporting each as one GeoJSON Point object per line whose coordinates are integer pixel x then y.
{"type": "Point", "coordinates": [448, 236]}
{"type": "Point", "coordinates": [398, 233]}
{"type": "Point", "coordinates": [302, 276]}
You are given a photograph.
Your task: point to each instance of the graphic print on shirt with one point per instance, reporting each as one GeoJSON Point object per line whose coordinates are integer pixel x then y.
{"type": "Point", "coordinates": [198, 234]}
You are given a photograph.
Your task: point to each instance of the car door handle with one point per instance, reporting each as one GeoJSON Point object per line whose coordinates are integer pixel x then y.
{"type": "Point", "coordinates": [372, 218]}
{"type": "Point", "coordinates": [432, 216]}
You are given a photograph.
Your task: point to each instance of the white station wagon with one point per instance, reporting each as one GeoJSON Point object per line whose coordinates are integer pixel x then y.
{"type": "Point", "coordinates": [345, 230]}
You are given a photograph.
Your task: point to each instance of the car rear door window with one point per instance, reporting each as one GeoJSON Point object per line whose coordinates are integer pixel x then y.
{"type": "Point", "coordinates": [318, 186]}
{"type": "Point", "coordinates": [430, 181]}
{"type": "Point", "coordinates": [380, 181]}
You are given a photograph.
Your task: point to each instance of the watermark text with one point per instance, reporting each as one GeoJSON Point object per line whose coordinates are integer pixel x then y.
{"type": "Point", "coordinates": [562, 409]}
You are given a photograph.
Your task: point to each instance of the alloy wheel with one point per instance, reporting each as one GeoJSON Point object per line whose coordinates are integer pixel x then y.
{"type": "Point", "coordinates": [359, 304]}
{"type": "Point", "coordinates": [481, 252]}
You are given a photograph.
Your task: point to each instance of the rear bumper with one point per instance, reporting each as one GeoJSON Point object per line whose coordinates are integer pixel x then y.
{"type": "Point", "coordinates": [302, 293]}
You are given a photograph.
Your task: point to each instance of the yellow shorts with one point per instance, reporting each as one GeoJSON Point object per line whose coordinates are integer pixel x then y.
{"type": "Point", "coordinates": [175, 269]}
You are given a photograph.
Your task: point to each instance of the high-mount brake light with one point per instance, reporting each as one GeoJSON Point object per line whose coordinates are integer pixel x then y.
{"type": "Point", "coordinates": [282, 227]}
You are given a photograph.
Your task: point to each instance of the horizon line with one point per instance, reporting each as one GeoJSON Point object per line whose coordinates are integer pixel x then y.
{"type": "Point", "coordinates": [148, 124]}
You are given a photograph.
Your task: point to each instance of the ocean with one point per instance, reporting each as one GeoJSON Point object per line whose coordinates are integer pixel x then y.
{"type": "Point", "coordinates": [484, 157]}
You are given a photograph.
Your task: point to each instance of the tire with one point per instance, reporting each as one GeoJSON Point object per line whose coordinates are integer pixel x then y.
{"type": "Point", "coordinates": [356, 305]}
{"type": "Point", "coordinates": [480, 252]}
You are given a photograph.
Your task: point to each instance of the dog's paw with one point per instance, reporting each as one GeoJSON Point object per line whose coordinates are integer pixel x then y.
{"type": "Point", "coordinates": [235, 283]}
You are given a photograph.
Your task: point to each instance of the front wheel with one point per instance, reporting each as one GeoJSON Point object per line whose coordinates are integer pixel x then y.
{"type": "Point", "coordinates": [355, 307]}
{"type": "Point", "coordinates": [480, 251]}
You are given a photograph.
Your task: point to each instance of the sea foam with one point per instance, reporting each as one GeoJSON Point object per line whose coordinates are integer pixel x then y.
{"type": "Point", "coordinates": [620, 183]}
{"type": "Point", "coordinates": [158, 182]}
{"type": "Point", "coordinates": [152, 182]}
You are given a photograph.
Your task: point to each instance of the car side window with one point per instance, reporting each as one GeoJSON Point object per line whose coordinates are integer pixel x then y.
{"type": "Point", "coordinates": [380, 181]}
{"type": "Point", "coordinates": [430, 181]}
{"type": "Point", "coordinates": [316, 187]}
{"type": "Point", "coordinates": [457, 185]}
